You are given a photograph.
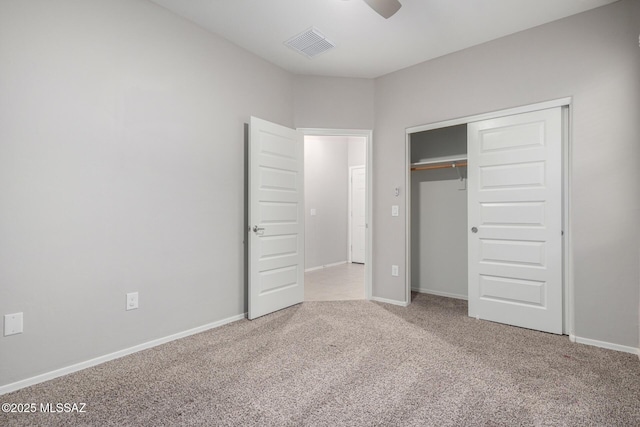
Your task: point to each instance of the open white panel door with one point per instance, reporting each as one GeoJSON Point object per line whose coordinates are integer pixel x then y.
{"type": "Point", "coordinates": [515, 219]}
{"type": "Point", "coordinates": [276, 218]}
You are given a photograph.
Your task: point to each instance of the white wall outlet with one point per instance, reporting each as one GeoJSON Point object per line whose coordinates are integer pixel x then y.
{"type": "Point", "coordinates": [12, 324]}
{"type": "Point", "coordinates": [394, 210]}
{"type": "Point", "coordinates": [313, 212]}
{"type": "Point", "coordinates": [394, 270]}
{"type": "Point", "coordinates": [132, 301]}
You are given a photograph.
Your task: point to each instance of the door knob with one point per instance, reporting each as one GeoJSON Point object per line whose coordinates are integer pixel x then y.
{"type": "Point", "coordinates": [474, 229]}
{"type": "Point", "coordinates": [256, 229]}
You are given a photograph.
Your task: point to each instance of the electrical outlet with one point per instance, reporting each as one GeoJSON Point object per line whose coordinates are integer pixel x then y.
{"type": "Point", "coordinates": [12, 324]}
{"type": "Point", "coordinates": [394, 270]}
{"type": "Point", "coordinates": [132, 301]}
{"type": "Point", "coordinates": [394, 210]}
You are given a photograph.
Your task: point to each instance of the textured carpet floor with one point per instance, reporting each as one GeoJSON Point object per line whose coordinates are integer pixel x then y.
{"type": "Point", "coordinates": [353, 363]}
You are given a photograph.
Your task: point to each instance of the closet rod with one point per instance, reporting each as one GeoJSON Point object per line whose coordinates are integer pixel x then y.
{"type": "Point", "coordinates": [439, 166]}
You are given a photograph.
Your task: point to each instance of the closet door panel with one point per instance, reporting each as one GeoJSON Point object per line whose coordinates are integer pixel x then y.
{"type": "Point", "coordinates": [516, 213]}
{"type": "Point", "coordinates": [515, 217]}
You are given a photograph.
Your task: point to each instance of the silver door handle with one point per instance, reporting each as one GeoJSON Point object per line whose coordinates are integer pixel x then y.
{"type": "Point", "coordinates": [256, 229]}
{"type": "Point", "coordinates": [474, 229]}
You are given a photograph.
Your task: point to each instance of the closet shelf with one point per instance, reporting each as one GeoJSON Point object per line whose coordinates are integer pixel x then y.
{"type": "Point", "coordinates": [440, 163]}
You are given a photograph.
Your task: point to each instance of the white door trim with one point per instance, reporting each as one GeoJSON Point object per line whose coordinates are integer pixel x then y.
{"type": "Point", "coordinates": [368, 135]}
{"type": "Point", "coordinates": [492, 115]}
{"type": "Point", "coordinates": [568, 285]}
{"type": "Point", "coordinates": [567, 249]}
{"type": "Point", "coordinates": [350, 211]}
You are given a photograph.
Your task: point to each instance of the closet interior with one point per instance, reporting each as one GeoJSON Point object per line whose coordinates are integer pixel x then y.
{"type": "Point", "coordinates": [439, 211]}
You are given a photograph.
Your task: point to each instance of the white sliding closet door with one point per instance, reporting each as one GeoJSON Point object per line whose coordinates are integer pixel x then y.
{"type": "Point", "coordinates": [515, 219]}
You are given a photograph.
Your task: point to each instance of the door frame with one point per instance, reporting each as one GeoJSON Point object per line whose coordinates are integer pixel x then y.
{"type": "Point", "coordinates": [567, 246]}
{"type": "Point", "coordinates": [368, 135]}
{"type": "Point", "coordinates": [350, 211]}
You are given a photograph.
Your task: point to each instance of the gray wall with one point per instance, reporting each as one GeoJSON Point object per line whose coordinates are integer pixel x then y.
{"type": "Point", "coordinates": [333, 102]}
{"type": "Point", "coordinates": [593, 57]}
{"type": "Point", "coordinates": [121, 169]}
{"type": "Point", "coordinates": [325, 190]}
{"type": "Point", "coordinates": [439, 257]}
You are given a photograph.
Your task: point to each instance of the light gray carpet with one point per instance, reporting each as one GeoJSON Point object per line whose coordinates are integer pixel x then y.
{"type": "Point", "coordinates": [354, 363]}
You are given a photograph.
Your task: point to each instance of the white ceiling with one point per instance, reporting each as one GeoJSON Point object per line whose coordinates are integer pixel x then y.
{"type": "Point", "coordinates": [368, 45]}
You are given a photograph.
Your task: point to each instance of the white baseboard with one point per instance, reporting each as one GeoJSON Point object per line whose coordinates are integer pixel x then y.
{"type": "Point", "coordinates": [390, 301]}
{"type": "Point", "coordinates": [604, 344]}
{"type": "Point", "coordinates": [324, 266]}
{"type": "Point", "coordinates": [439, 293]}
{"type": "Point", "coordinates": [107, 357]}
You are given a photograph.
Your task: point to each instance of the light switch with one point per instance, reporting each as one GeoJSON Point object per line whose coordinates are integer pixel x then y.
{"type": "Point", "coordinates": [132, 301]}
{"type": "Point", "coordinates": [313, 212]}
{"type": "Point", "coordinates": [12, 324]}
{"type": "Point", "coordinates": [394, 210]}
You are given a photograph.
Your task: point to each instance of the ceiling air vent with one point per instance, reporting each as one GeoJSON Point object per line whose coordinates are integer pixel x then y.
{"type": "Point", "coordinates": [310, 43]}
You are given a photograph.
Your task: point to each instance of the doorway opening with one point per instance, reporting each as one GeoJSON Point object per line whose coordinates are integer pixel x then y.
{"type": "Point", "coordinates": [439, 212]}
{"type": "Point", "coordinates": [337, 221]}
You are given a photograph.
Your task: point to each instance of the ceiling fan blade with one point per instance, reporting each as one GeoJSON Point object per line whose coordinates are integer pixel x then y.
{"type": "Point", "coordinates": [385, 8]}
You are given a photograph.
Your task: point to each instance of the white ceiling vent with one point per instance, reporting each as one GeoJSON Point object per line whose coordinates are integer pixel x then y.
{"type": "Point", "coordinates": [310, 43]}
